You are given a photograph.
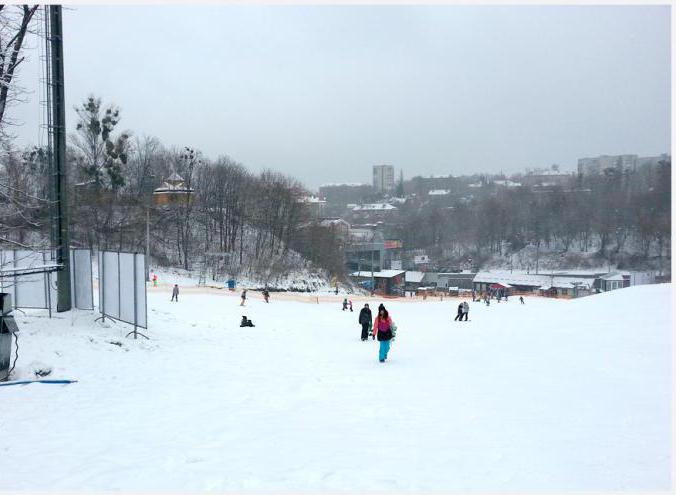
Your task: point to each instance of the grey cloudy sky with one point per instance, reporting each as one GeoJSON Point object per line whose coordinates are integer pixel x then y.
{"type": "Point", "coordinates": [324, 92]}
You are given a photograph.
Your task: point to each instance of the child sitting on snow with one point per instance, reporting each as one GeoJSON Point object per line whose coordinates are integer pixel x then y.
{"type": "Point", "coordinates": [246, 322]}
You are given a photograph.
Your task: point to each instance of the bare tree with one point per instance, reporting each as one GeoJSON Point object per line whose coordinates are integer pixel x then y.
{"type": "Point", "coordinates": [14, 25]}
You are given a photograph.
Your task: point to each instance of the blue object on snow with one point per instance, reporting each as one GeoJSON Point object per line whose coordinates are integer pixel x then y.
{"type": "Point", "coordinates": [231, 283]}
{"type": "Point", "coordinates": [27, 382]}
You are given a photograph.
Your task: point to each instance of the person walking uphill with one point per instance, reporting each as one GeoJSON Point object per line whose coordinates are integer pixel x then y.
{"type": "Point", "coordinates": [174, 293]}
{"type": "Point", "coordinates": [365, 321]}
{"type": "Point", "coordinates": [243, 296]}
{"type": "Point", "coordinates": [384, 330]}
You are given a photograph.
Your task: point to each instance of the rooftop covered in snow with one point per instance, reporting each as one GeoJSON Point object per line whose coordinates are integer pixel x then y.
{"type": "Point", "coordinates": [378, 274]}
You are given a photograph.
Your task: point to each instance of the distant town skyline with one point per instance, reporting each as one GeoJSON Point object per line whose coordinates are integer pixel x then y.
{"type": "Point", "coordinates": [324, 93]}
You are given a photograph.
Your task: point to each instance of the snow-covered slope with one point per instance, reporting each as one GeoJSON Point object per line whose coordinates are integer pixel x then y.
{"type": "Point", "coordinates": [549, 395]}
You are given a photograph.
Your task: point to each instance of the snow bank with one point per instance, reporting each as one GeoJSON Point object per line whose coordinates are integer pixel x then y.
{"type": "Point", "coordinates": [549, 395]}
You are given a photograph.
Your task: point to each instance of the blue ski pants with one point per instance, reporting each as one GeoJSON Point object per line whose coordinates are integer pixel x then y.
{"type": "Point", "coordinates": [384, 349]}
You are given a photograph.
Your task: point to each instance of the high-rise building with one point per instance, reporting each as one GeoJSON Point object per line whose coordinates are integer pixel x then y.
{"type": "Point", "coordinates": [597, 165]}
{"type": "Point", "coordinates": [383, 178]}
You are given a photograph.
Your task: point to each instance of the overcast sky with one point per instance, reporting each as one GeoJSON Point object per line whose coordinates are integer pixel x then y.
{"type": "Point", "coordinates": [323, 93]}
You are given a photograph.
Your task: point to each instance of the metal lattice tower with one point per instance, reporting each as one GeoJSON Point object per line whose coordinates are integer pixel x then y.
{"type": "Point", "coordinates": [56, 150]}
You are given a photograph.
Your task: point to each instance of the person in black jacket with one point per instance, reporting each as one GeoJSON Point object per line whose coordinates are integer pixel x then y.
{"type": "Point", "coordinates": [365, 321]}
{"type": "Point", "coordinates": [460, 312]}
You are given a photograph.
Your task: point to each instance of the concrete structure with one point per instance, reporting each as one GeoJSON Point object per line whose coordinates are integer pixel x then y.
{"type": "Point", "coordinates": [386, 282]}
{"type": "Point", "coordinates": [613, 281]}
{"type": "Point", "coordinates": [383, 178]}
{"type": "Point", "coordinates": [652, 160]}
{"type": "Point", "coordinates": [365, 251]}
{"type": "Point", "coordinates": [343, 194]}
{"type": "Point", "coordinates": [620, 163]}
{"type": "Point", "coordinates": [314, 205]}
{"type": "Point", "coordinates": [372, 213]}
{"type": "Point", "coordinates": [548, 178]}
{"type": "Point", "coordinates": [413, 280]}
{"type": "Point", "coordinates": [463, 280]}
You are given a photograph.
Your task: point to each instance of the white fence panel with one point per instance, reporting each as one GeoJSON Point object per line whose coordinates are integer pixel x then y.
{"type": "Point", "coordinates": [127, 292]}
{"type": "Point", "coordinates": [38, 290]}
{"type": "Point", "coordinates": [109, 273]}
{"type": "Point", "coordinates": [81, 279]}
{"type": "Point", "coordinates": [141, 299]}
{"type": "Point", "coordinates": [122, 287]}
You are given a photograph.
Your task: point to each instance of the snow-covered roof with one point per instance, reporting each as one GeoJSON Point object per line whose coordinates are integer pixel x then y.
{"type": "Point", "coordinates": [439, 192]}
{"type": "Point", "coordinates": [374, 207]}
{"type": "Point", "coordinates": [174, 177]}
{"type": "Point", "coordinates": [544, 281]}
{"type": "Point", "coordinates": [334, 221]}
{"type": "Point", "coordinates": [507, 183]}
{"type": "Point", "coordinates": [614, 277]}
{"type": "Point", "coordinates": [414, 277]}
{"type": "Point", "coordinates": [311, 199]}
{"type": "Point", "coordinates": [380, 274]}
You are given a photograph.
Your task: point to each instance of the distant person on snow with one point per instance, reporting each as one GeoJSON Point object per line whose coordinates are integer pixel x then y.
{"type": "Point", "coordinates": [465, 310]}
{"type": "Point", "coordinates": [351, 306]}
{"type": "Point", "coordinates": [155, 280]}
{"type": "Point", "coordinates": [243, 296]}
{"type": "Point", "coordinates": [459, 315]}
{"type": "Point", "coordinates": [344, 304]}
{"type": "Point", "coordinates": [266, 295]}
{"type": "Point", "coordinates": [385, 330]}
{"type": "Point", "coordinates": [365, 321]}
{"type": "Point", "coordinates": [174, 293]}
{"type": "Point", "coordinates": [246, 322]}
{"type": "Point", "coordinates": [521, 299]}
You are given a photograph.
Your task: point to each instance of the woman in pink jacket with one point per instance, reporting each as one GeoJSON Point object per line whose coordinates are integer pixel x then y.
{"type": "Point", "coordinates": [383, 330]}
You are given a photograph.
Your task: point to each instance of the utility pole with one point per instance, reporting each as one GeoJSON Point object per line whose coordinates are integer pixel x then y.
{"type": "Point", "coordinates": [57, 128]}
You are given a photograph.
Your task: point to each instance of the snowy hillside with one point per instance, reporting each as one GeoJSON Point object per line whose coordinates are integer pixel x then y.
{"type": "Point", "coordinates": [555, 258]}
{"type": "Point", "coordinates": [549, 395]}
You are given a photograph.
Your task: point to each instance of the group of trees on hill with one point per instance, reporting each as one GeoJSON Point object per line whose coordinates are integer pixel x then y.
{"type": "Point", "coordinates": [608, 214]}
{"type": "Point", "coordinates": [237, 222]}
